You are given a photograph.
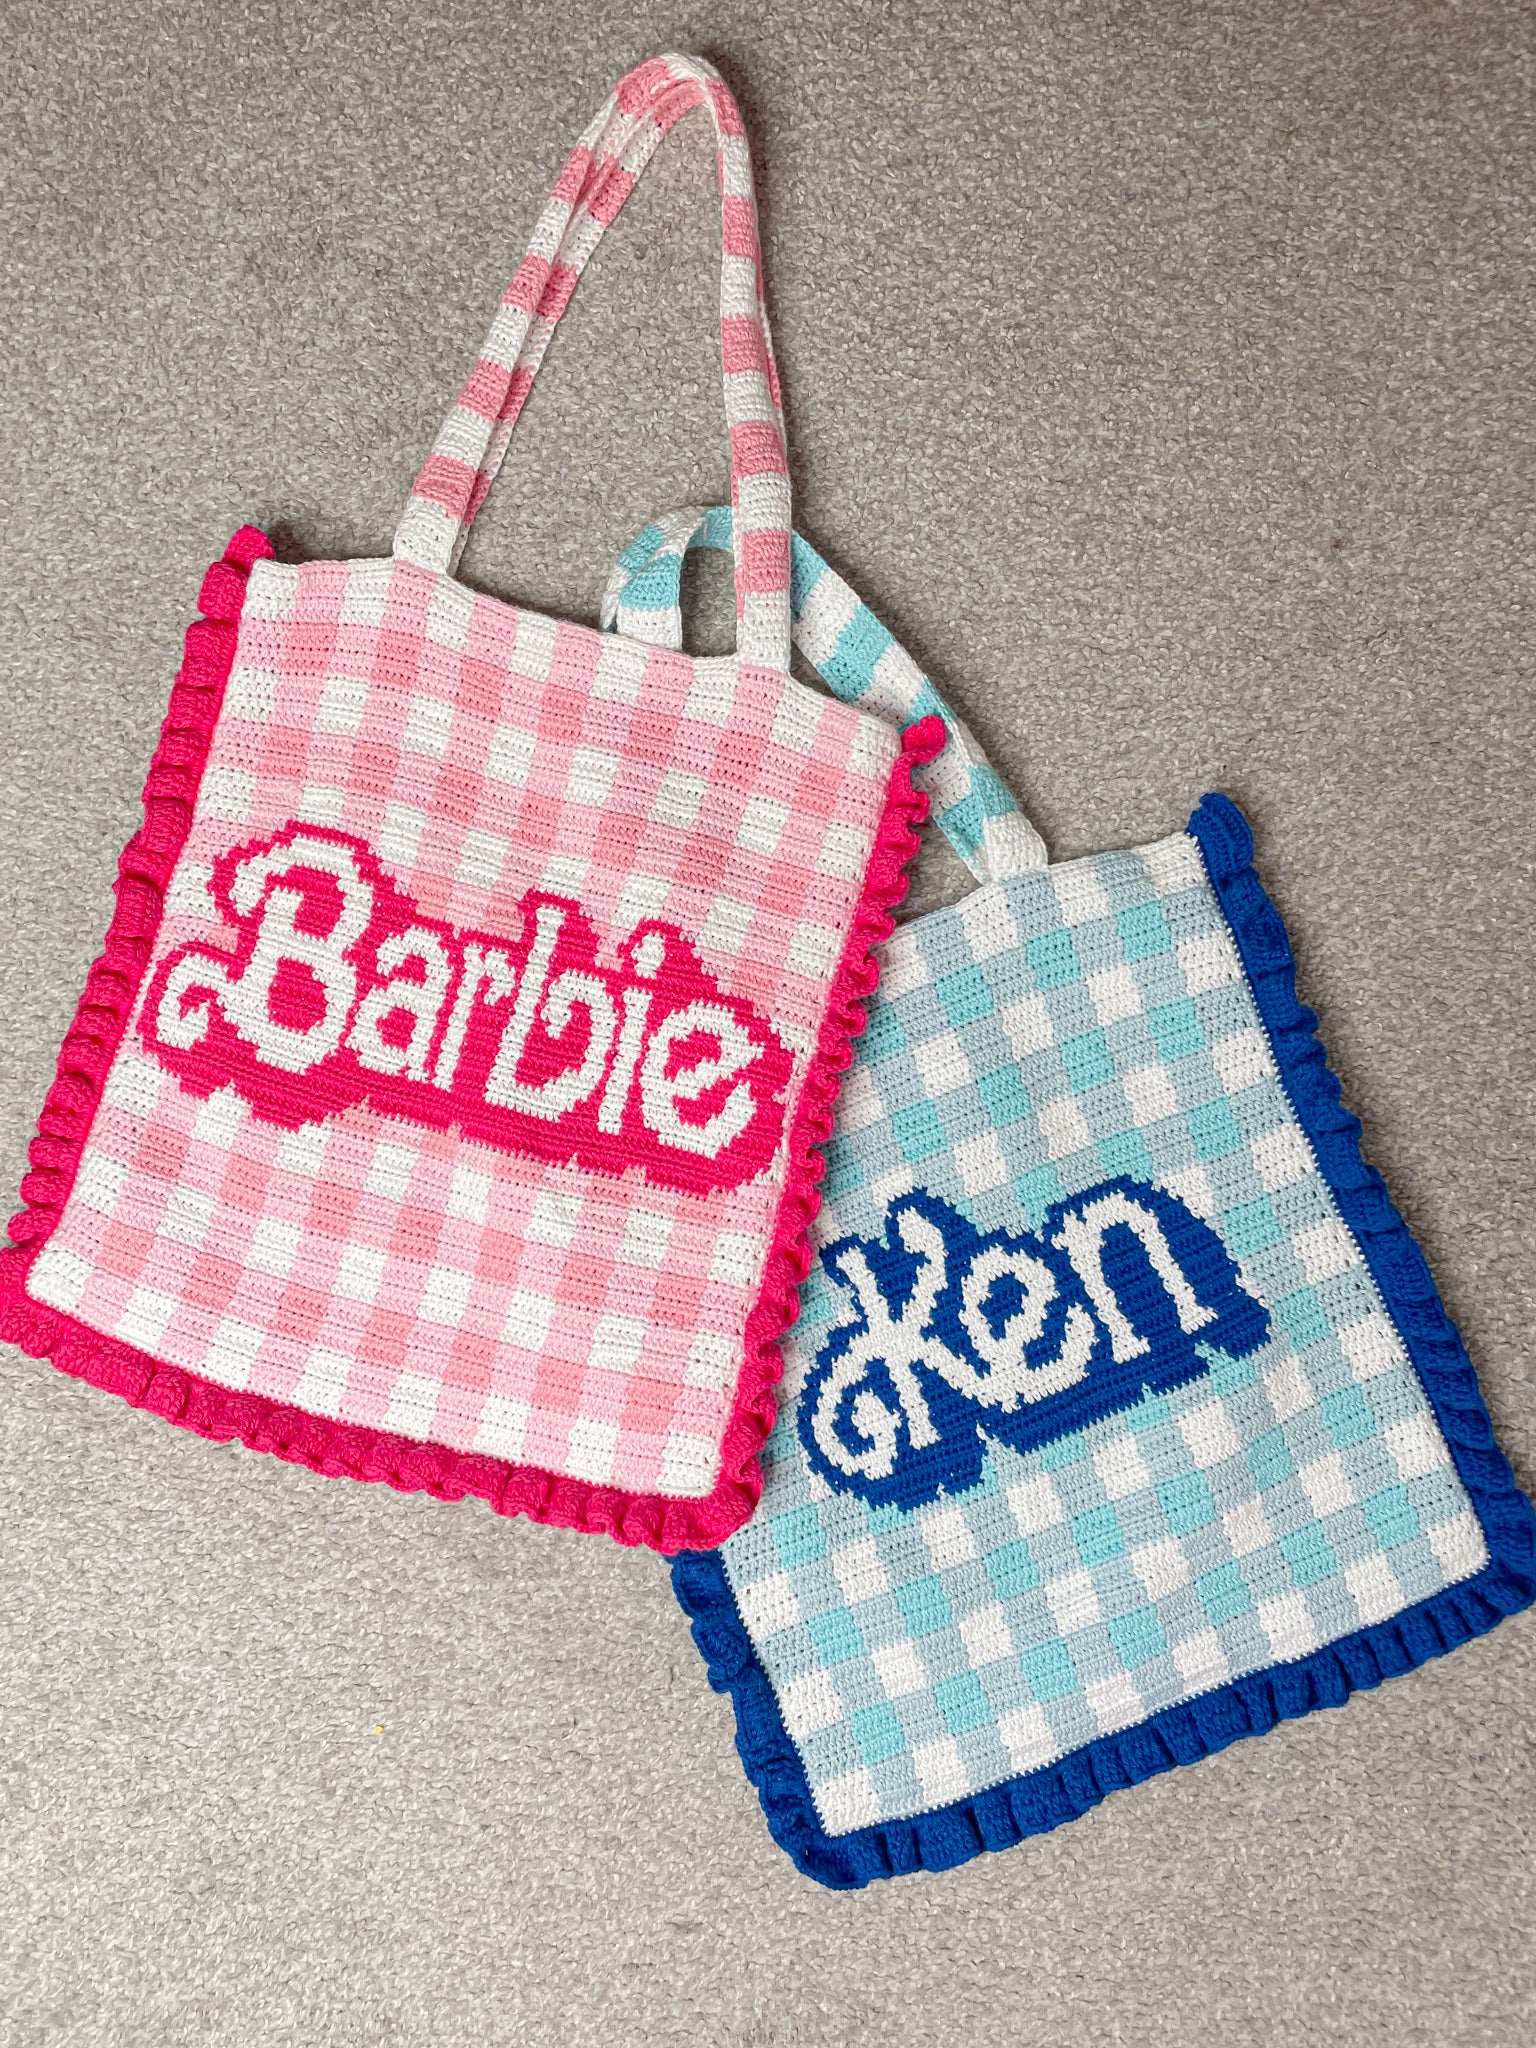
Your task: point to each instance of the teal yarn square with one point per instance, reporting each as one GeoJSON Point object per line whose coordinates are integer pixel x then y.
{"type": "Point", "coordinates": [1224, 1592]}
{"type": "Point", "coordinates": [1087, 1061]}
{"type": "Point", "coordinates": [964, 995]}
{"type": "Point", "coordinates": [1005, 1096]}
{"type": "Point", "coordinates": [1309, 1554]}
{"type": "Point", "coordinates": [1048, 1671]}
{"type": "Point", "coordinates": [962, 1702]}
{"type": "Point", "coordinates": [925, 1605]}
{"type": "Point", "coordinates": [837, 1636]}
{"type": "Point", "coordinates": [1138, 1637]}
{"type": "Point", "coordinates": [1012, 1570]}
{"type": "Point", "coordinates": [919, 1132]}
{"type": "Point", "coordinates": [1176, 1028]}
{"type": "Point", "coordinates": [1097, 1534]}
{"type": "Point", "coordinates": [878, 1732]}
{"type": "Point", "coordinates": [1143, 930]}
{"type": "Point", "coordinates": [1187, 1502]}
{"type": "Point", "coordinates": [1392, 1517]}
{"type": "Point", "coordinates": [1053, 960]}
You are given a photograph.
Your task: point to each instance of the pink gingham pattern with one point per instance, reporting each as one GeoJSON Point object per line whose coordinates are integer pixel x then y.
{"type": "Point", "coordinates": [397, 1278]}
{"type": "Point", "coordinates": [241, 1215]}
{"type": "Point", "coordinates": [598, 177]}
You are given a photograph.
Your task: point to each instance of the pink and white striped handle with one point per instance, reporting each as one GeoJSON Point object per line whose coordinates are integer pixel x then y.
{"type": "Point", "coordinates": [598, 177]}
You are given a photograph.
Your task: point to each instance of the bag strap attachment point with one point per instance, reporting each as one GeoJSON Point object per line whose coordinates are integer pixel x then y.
{"type": "Point", "coordinates": [859, 661]}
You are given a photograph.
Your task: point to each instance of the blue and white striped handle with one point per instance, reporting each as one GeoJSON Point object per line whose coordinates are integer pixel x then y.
{"type": "Point", "coordinates": [857, 659]}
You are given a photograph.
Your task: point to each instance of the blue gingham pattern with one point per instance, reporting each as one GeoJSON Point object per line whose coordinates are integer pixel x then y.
{"type": "Point", "coordinates": [1054, 1030]}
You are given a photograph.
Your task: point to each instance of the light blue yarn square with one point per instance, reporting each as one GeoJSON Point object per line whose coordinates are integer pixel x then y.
{"type": "Point", "coordinates": [964, 995]}
{"type": "Point", "coordinates": [919, 1132]}
{"type": "Point", "coordinates": [1053, 959]}
{"type": "Point", "coordinates": [963, 1703]}
{"type": "Point", "coordinates": [925, 1605]}
{"type": "Point", "coordinates": [1049, 1670]}
{"type": "Point", "coordinates": [837, 1636]}
{"type": "Point", "coordinates": [1097, 1534]}
{"type": "Point", "coordinates": [878, 1732]}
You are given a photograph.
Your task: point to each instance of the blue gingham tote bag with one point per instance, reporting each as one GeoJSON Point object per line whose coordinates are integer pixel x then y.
{"type": "Point", "coordinates": [1122, 1418]}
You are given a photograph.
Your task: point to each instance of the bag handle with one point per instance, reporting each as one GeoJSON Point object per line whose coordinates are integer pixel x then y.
{"type": "Point", "coordinates": [598, 177]}
{"type": "Point", "coordinates": [857, 659]}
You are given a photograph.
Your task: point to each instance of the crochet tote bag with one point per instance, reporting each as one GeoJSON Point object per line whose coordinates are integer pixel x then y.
{"type": "Point", "coordinates": [443, 1109]}
{"type": "Point", "coordinates": [1122, 1418]}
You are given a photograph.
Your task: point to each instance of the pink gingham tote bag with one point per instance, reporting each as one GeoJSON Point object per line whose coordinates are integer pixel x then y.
{"type": "Point", "coordinates": [444, 1108]}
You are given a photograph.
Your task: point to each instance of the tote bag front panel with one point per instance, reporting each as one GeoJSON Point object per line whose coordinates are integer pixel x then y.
{"type": "Point", "coordinates": [328, 1234]}
{"type": "Point", "coordinates": [1268, 1481]}
{"type": "Point", "coordinates": [1121, 1418]}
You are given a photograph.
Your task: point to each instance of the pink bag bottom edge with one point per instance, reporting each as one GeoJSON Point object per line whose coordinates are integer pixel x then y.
{"type": "Point", "coordinates": [345, 1449]}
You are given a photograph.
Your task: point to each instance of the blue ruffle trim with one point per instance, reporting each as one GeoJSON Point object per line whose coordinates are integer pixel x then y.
{"type": "Point", "coordinates": [1005, 1814]}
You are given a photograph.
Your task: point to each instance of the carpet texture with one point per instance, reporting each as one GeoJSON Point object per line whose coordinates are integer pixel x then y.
{"type": "Point", "coordinates": [1161, 373]}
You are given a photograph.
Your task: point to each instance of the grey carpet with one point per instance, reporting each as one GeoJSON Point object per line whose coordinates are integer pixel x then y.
{"type": "Point", "coordinates": [1161, 372]}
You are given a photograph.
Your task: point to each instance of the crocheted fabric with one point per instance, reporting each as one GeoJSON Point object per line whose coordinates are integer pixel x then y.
{"type": "Point", "coordinates": [445, 1107]}
{"type": "Point", "coordinates": [1122, 1418]}
{"type": "Point", "coordinates": [860, 661]}
{"type": "Point", "coordinates": [295, 1173]}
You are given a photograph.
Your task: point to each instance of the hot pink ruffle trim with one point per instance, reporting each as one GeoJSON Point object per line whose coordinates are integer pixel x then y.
{"type": "Point", "coordinates": [341, 1448]}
